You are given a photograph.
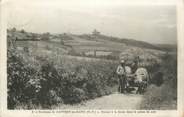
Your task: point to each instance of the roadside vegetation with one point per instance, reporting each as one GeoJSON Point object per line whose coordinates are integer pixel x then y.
{"type": "Point", "coordinates": [40, 82]}
{"type": "Point", "coordinates": [162, 91]}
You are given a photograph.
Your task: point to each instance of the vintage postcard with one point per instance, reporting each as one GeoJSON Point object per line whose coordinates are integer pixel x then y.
{"type": "Point", "coordinates": [91, 58]}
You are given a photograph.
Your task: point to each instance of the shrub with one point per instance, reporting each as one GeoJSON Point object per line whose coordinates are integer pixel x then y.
{"type": "Point", "coordinates": [157, 79]}
{"type": "Point", "coordinates": [47, 81]}
{"type": "Point", "coordinates": [73, 95]}
{"type": "Point", "coordinates": [163, 96]}
{"type": "Point", "coordinates": [19, 80]}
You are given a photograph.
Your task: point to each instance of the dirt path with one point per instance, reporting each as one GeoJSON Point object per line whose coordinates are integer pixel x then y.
{"type": "Point", "coordinates": [113, 101]}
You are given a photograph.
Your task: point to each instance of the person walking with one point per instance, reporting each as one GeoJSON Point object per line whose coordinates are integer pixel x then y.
{"type": "Point", "coordinates": [121, 71]}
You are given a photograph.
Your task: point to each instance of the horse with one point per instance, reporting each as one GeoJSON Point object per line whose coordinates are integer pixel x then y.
{"type": "Point", "coordinates": [141, 79]}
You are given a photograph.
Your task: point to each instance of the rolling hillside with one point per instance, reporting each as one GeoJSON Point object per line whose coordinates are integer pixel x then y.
{"type": "Point", "coordinates": [167, 47]}
{"type": "Point", "coordinates": [101, 45]}
{"type": "Point", "coordinates": [87, 45]}
{"type": "Point", "coordinates": [130, 42]}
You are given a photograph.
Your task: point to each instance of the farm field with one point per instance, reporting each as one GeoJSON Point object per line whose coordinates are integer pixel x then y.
{"type": "Point", "coordinates": [93, 47]}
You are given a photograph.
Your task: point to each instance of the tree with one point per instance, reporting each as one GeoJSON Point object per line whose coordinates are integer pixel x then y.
{"type": "Point", "coordinates": [22, 31]}
{"type": "Point", "coordinates": [95, 32]}
{"type": "Point", "coordinates": [14, 29]}
{"type": "Point", "coordinates": [45, 36]}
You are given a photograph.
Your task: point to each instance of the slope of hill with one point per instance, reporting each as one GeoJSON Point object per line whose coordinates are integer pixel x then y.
{"type": "Point", "coordinates": [167, 47]}
{"type": "Point", "coordinates": [88, 45]}
{"type": "Point", "coordinates": [112, 47]}
{"type": "Point", "coordinates": [130, 42]}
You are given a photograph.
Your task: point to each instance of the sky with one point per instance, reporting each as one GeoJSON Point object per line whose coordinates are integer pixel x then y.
{"type": "Point", "coordinates": [152, 21]}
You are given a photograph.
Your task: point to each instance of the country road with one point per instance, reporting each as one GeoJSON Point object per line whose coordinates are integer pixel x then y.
{"type": "Point", "coordinates": [112, 101]}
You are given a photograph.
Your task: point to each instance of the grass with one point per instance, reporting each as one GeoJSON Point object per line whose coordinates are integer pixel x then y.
{"type": "Point", "coordinates": [163, 97]}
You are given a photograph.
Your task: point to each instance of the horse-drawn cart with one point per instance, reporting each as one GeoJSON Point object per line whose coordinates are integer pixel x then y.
{"type": "Point", "coordinates": [137, 81]}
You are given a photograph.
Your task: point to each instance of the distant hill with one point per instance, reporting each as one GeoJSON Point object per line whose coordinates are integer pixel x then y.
{"type": "Point", "coordinates": [167, 47]}
{"type": "Point", "coordinates": [90, 45]}
{"type": "Point", "coordinates": [89, 37]}
{"type": "Point", "coordinates": [131, 42]}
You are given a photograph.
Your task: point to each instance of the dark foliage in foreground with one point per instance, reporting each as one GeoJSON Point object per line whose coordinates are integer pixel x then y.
{"type": "Point", "coordinates": [44, 82]}
{"type": "Point", "coordinates": [162, 93]}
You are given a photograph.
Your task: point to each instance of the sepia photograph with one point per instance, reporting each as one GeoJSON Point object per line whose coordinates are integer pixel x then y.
{"type": "Point", "coordinates": [92, 54]}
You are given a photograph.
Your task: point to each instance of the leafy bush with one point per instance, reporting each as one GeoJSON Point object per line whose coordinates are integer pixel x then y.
{"type": "Point", "coordinates": [47, 81]}
{"type": "Point", "coordinates": [19, 76]}
{"type": "Point", "coordinates": [163, 96]}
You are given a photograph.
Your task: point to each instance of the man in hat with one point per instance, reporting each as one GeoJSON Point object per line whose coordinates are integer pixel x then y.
{"type": "Point", "coordinates": [121, 71]}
